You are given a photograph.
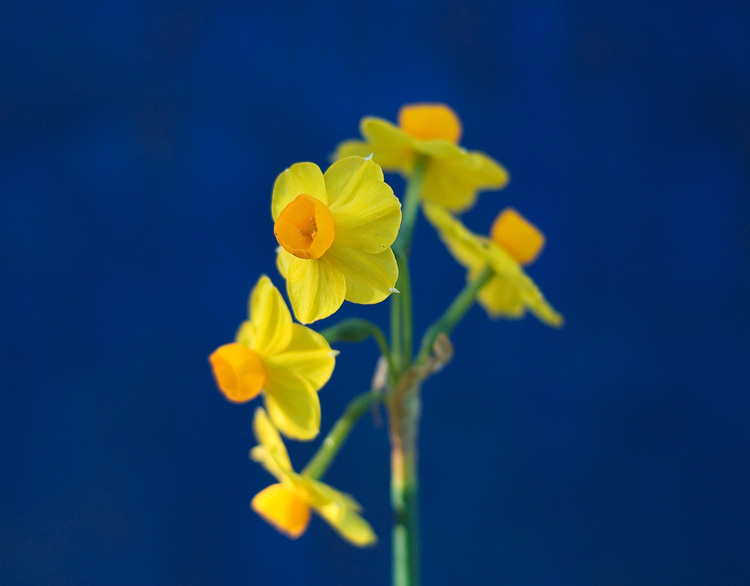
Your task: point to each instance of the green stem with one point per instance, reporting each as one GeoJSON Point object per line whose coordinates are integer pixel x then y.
{"type": "Point", "coordinates": [395, 362]}
{"type": "Point", "coordinates": [404, 287]}
{"type": "Point", "coordinates": [401, 316]}
{"type": "Point", "coordinates": [404, 420]}
{"type": "Point", "coordinates": [410, 205]}
{"type": "Point", "coordinates": [404, 402]}
{"type": "Point", "coordinates": [456, 310]}
{"type": "Point", "coordinates": [322, 459]}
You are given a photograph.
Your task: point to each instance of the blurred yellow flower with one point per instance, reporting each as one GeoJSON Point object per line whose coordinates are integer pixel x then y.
{"type": "Point", "coordinates": [453, 175]}
{"type": "Point", "coordinates": [286, 505]}
{"type": "Point", "coordinates": [287, 361]}
{"type": "Point", "coordinates": [514, 242]}
{"type": "Point", "coordinates": [335, 232]}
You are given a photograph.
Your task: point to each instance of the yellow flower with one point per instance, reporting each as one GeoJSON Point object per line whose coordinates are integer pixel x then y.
{"type": "Point", "coordinates": [453, 176]}
{"type": "Point", "coordinates": [287, 361]}
{"type": "Point", "coordinates": [287, 504]}
{"type": "Point", "coordinates": [335, 232]}
{"type": "Point", "coordinates": [514, 242]}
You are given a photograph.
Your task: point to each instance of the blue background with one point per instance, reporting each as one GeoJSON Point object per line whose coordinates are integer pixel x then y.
{"type": "Point", "coordinates": [139, 142]}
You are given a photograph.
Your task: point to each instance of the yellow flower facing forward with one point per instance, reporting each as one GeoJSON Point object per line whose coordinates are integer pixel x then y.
{"type": "Point", "coordinates": [286, 505]}
{"type": "Point", "coordinates": [335, 232]}
{"type": "Point", "coordinates": [514, 242]}
{"type": "Point", "coordinates": [288, 362]}
{"type": "Point", "coordinates": [453, 176]}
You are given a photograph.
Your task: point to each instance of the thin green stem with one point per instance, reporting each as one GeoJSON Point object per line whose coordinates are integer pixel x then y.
{"type": "Point", "coordinates": [410, 205]}
{"type": "Point", "coordinates": [455, 312]}
{"type": "Point", "coordinates": [395, 362]}
{"type": "Point", "coordinates": [401, 316]}
{"type": "Point", "coordinates": [322, 459]}
{"type": "Point", "coordinates": [404, 282]}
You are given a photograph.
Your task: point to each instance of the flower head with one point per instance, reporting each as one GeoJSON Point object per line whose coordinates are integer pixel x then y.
{"type": "Point", "coordinates": [287, 504]}
{"type": "Point", "coordinates": [514, 242]}
{"type": "Point", "coordinates": [453, 176]}
{"type": "Point", "coordinates": [288, 362]}
{"type": "Point", "coordinates": [335, 232]}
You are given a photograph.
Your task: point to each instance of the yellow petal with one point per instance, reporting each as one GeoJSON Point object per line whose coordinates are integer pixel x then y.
{"type": "Point", "coordinates": [391, 147]}
{"type": "Point", "coordinates": [352, 148]}
{"type": "Point", "coordinates": [344, 178]}
{"type": "Point", "coordinates": [500, 299]}
{"type": "Point", "coordinates": [466, 247]}
{"type": "Point", "coordinates": [316, 288]}
{"type": "Point", "coordinates": [379, 131]}
{"type": "Point", "coordinates": [366, 213]}
{"type": "Point", "coordinates": [283, 508]}
{"type": "Point", "coordinates": [292, 403]}
{"type": "Point", "coordinates": [439, 149]}
{"type": "Point", "coordinates": [268, 437]}
{"type": "Point", "coordinates": [300, 178]}
{"type": "Point", "coordinates": [270, 318]}
{"type": "Point", "coordinates": [509, 269]}
{"type": "Point", "coordinates": [454, 182]}
{"type": "Point", "coordinates": [369, 277]}
{"type": "Point", "coordinates": [309, 355]}
{"type": "Point", "coordinates": [283, 260]}
{"type": "Point", "coordinates": [239, 372]}
{"type": "Point", "coordinates": [341, 512]}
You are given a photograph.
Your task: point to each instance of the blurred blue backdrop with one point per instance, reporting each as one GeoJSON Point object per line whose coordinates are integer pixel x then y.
{"type": "Point", "coordinates": [139, 142]}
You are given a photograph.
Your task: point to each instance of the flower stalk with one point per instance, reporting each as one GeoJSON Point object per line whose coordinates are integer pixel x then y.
{"type": "Point", "coordinates": [455, 312]}
{"type": "Point", "coordinates": [404, 399]}
{"type": "Point", "coordinates": [319, 463]}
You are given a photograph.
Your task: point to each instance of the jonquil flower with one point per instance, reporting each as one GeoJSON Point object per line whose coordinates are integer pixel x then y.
{"type": "Point", "coordinates": [514, 242]}
{"type": "Point", "coordinates": [287, 504]}
{"type": "Point", "coordinates": [288, 362]}
{"type": "Point", "coordinates": [453, 175]}
{"type": "Point", "coordinates": [335, 232]}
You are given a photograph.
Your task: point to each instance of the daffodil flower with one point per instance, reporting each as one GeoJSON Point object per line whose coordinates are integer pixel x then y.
{"type": "Point", "coordinates": [514, 242]}
{"type": "Point", "coordinates": [286, 505]}
{"type": "Point", "coordinates": [335, 232]}
{"type": "Point", "coordinates": [288, 362]}
{"type": "Point", "coordinates": [453, 175]}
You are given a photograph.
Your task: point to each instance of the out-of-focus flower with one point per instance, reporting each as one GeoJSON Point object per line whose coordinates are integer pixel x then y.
{"type": "Point", "coordinates": [286, 505]}
{"type": "Point", "coordinates": [453, 175]}
{"type": "Point", "coordinates": [514, 242]}
{"type": "Point", "coordinates": [288, 362]}
{"type": "Point", "coordinates": [335, 232]}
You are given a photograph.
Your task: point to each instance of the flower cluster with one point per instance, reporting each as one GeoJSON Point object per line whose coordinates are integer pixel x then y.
{"type": "Point", "coordinates": [337, 232]}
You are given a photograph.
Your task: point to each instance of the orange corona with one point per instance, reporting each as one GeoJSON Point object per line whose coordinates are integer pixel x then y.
{"type": "Point", "coordinates": [305, 227]}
